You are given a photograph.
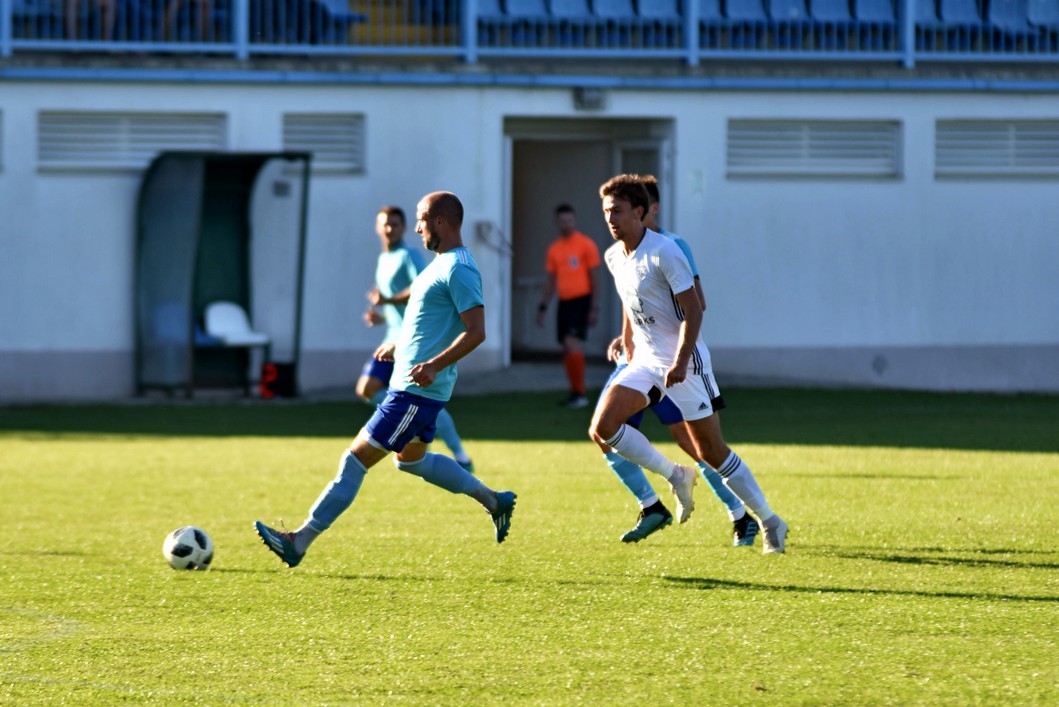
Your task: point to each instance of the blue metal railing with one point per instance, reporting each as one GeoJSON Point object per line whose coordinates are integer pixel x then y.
{"type": "Point", "coordinates": [690, 31]}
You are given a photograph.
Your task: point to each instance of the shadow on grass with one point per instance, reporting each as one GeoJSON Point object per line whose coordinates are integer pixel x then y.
{"type": "Point", "coordinates": [315, 574]}
{"type": "Point", "coordinates": [950, 559]}
{"type": "Point", "coordinates": [706, 584]}
{"type": "Point", "coordinates": [856, 475]}
{"type": "Point", "coordinates": [754, 416]}
{"type": "Point", "coordinates": [44, 553]}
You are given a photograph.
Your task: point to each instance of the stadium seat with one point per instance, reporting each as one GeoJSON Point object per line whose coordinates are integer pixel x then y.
{"type": "Point", "coordinates": [1010, 29]}
{"type": "Point", "coordinates": [332, 20]}
{"type": "Point", "coordinates": [964, 28]}
{"type": "Point", "coordinates": [710, 23]}
{"type": "Point", "coordinates": [929, 32]}
{"type": "Point", "coordinates": [832, 23]}
{"type": "Point", "coordinates": [1044, 15]}
{"type": "Point", "coordinates": [790, 23]}
{"type": "Point", "coordinates": [876, 24]}
{"type": "Point", "coordinates": [662, 23]}
{"type": "Point", "coordinates": [227, 324]}
{"type": "Point", "coordinates": [617, 22]}
{"type": "Point", "coordinates": [37, 19]}
{"type": "Point", "coordinates": [527, 22]}
{"type": "Point", "coordinates": [747, 24]}
{"type": "Point", "coordinates": [490, 21]}
{"type": "Point", "coordinates": [573, 22]}
{"type": "Point", "coordinates": [290, 22]}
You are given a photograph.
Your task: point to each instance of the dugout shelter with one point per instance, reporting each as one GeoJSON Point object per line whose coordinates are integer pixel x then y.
{"type": "Point", "coordinates": [219, 227]}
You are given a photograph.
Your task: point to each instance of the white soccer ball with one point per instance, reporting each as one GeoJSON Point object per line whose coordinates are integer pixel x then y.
{"type": "Point", "coordinates": [188, 548]}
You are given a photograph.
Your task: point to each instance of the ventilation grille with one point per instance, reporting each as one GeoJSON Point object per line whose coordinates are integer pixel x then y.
{"type": "Point", "coordinates": [336, 141]}
{"type": "Point", "coordinates": [85, 140]}
{"type": "Point", "coordinates": [997, 147]}
{"type": "Point", "coordinates": [813, 148]}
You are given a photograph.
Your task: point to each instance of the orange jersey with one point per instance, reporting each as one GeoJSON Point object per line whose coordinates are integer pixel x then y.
{"type": "Point", "coordinates": [570, 259]}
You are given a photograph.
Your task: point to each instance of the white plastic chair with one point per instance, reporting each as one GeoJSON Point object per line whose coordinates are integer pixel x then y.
{"type": "Point", "coordinates": [228, 322]}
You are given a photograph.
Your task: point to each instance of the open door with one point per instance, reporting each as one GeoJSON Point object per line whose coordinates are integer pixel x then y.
{"type": "Point", "coordinates": [565, 161]}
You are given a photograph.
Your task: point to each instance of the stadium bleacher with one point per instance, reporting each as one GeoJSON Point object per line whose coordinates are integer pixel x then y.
{"type": "Point", "coordinates": [662, 23]}
{"type": "Point", "coordinates": [1044, 15]}
{"type": "Point", "coordinates": [832, 23]}
{"type": "Point", "coordinates": [1011, 28]}
{"type": "Point", "coordinates": [1016, 30]}
{"type": "Point", "coordinates": [876, 24]}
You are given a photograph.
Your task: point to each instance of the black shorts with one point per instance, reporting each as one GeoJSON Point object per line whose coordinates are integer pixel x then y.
{"type": "Point", "coordinates": [572, 318]}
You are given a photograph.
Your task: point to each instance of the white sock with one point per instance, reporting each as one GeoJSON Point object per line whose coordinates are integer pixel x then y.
{"type": "Point", "coordinates": [304, 536]}
{"type": "Point", "coordinates": [738, 477]}
{"type": "Point", "coordinates": [649, 502]}
{"type": "Point", "coordinates": [634, 446]}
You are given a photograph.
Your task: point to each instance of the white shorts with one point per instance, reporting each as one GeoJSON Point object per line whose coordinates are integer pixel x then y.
{"type": "Point", "coordinates": [697, 396]}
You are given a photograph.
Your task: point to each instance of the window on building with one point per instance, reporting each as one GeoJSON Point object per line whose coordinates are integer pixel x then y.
{"type": "Point", "coordinates": [112, 140]}
{"type": "Point", "coordinates": [813, 148]}
{"type": "Point", "coordinates": [335, 140]}
{"type": "Point", "coordinates": [996, 148]}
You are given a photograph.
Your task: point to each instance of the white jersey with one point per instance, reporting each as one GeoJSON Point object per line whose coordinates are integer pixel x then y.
{"type": "Point", "coordinates": [646, 281]}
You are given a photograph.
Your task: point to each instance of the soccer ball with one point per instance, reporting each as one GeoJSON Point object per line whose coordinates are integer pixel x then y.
{"type": "Point", "coordinates": [188, 548]}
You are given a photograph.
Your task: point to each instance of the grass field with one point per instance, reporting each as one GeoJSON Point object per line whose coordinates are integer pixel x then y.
{"type": "Point", "coordinates": [921, 567]}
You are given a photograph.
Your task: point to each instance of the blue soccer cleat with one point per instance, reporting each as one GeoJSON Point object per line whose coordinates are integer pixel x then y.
{"type": "Point", "coordinates": [744, 531]}
{"type": "Point", "coordinates": [648, 523]}
{"type": "Point", "coordinates": [505, 506]}
{"type": "Point", "coordinates": [280, 542]}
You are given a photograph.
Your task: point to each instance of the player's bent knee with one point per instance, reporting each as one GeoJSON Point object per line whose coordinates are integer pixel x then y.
{"type": "Point", "coordinates": [415, 468]}
{"type": "Point", "coordinates": [600, 430]}
{"type": "Point", "coordinates": [363, 389]}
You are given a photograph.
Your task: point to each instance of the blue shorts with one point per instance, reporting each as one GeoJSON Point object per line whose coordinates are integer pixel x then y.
{"type": "Point", "coordinates": [665, 409]}
{"type": "Point", "coordinates": [374, 368]}
{"type": "Point", "coordinates": [402, 417]}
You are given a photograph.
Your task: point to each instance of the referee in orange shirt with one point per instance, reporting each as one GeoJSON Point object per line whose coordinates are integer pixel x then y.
{"type": "Point", "coordinates": [572, 263]}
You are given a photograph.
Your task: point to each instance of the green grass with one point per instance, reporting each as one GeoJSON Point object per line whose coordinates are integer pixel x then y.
{"type": "Point", "coordinates": [922, 562]}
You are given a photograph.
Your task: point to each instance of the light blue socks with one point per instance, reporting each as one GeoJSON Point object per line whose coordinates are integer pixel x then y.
{"type": "Point", "coordinates": [443, 472]}
{"type": "Point", "coordinates": [338, 495]}
{"type": "Point", "coordinates": [446, 430]}
{"type": "Point", "coordinates": [722, 492]}
{"type": "Point", "coordinates": [632, 477]}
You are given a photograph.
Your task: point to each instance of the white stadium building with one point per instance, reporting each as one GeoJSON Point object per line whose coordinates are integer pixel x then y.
{"type": "Point", "coordinates": [870, 187]}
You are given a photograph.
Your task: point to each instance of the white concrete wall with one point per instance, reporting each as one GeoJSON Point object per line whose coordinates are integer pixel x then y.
{"type": "Point", "coordinates": [808, 280]}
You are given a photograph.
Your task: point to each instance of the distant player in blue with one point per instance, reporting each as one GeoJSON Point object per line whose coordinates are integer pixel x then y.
{"type": "Point", "coordinates": [395, 269]}
{"type": "Point", "coordinates": [444, 321]}
{"type": "Point", "coordinates": [653, 513]}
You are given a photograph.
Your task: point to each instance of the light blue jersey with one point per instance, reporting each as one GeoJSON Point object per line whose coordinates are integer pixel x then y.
{"type": "Point", "coordinates": [450, 285]}
{"type": "Point", "coordinates": [394, 272]}
{"type": "Point", "coordinates": [684, 247]}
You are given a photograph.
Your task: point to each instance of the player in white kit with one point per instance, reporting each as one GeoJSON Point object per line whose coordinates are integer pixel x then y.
{"type": "Point", "coordinates": [660, 333]}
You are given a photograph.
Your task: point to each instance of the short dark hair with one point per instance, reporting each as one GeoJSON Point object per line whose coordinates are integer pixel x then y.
{"type": "Point", "coordinates": [650, 181]}
{"type": "Point", "coordinates": [394, 211]}
{"type": "Point", "coordinates": [628, 187]}
{"type": "Point", "coordinates": [564, 209]}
